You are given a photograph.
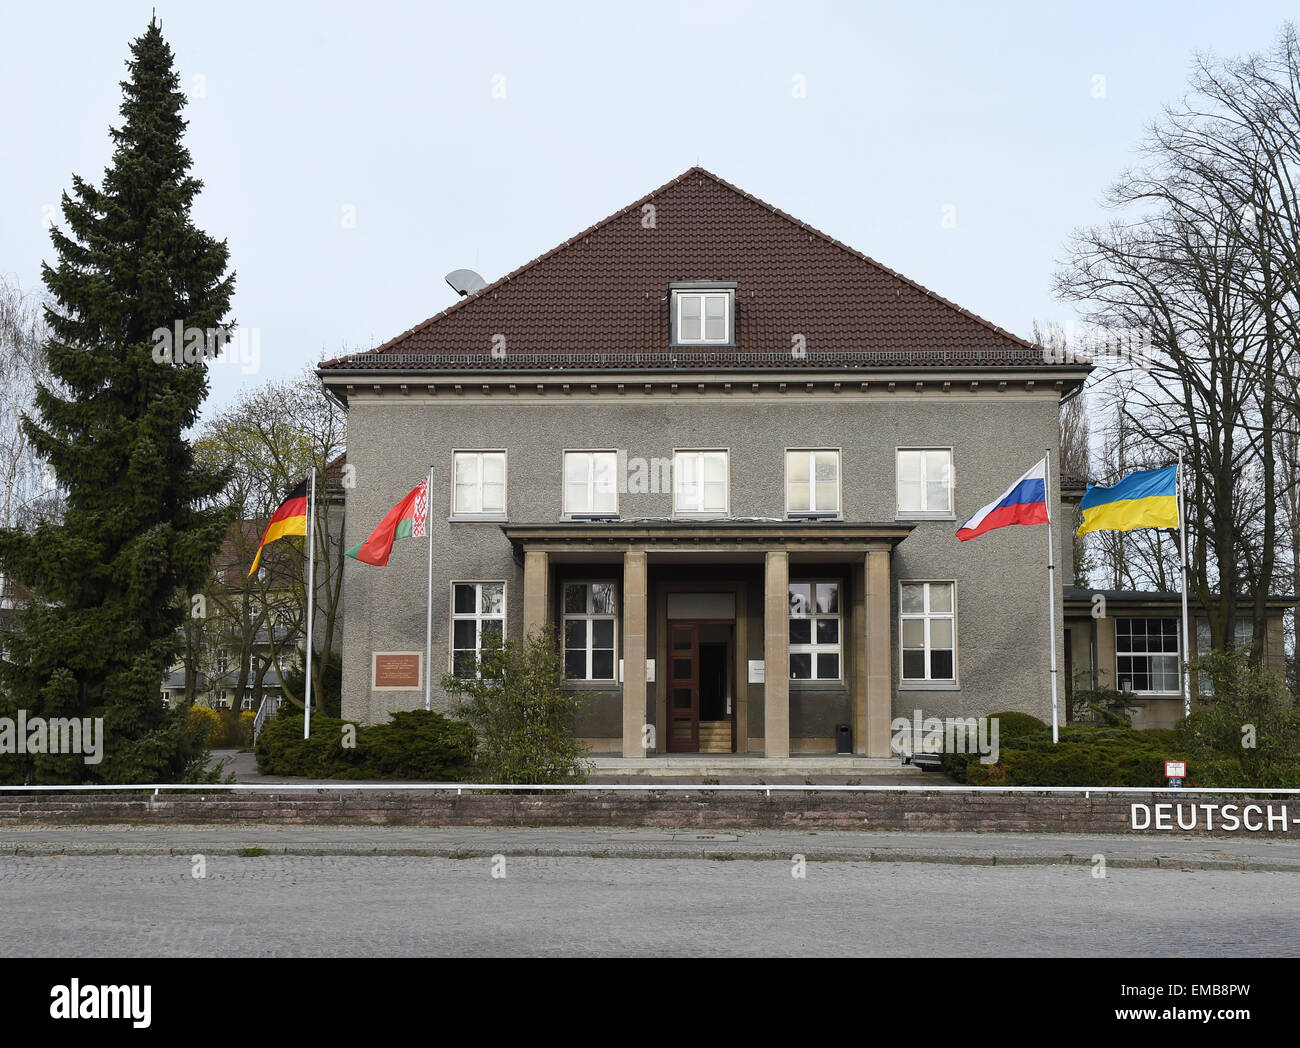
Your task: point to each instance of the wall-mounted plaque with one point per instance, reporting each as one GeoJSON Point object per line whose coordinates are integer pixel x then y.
{"type": "Point", "coordinates": [396, 670]}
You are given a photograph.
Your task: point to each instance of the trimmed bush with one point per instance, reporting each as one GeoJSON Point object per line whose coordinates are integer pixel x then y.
{"type": "Point", "coordinates": [413, 745]}
{"type": "Point", "coordinates": [1013, 728]}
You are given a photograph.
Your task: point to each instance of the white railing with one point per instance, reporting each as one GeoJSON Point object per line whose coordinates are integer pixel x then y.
{"type": "Point", "coordinates": [264, 712]}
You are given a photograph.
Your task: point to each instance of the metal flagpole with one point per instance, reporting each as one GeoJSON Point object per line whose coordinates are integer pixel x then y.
{"type": "Point", "coordinates": [428, 621]}
{"type": "Point", "coordinates": [1182, 542]}
{"type": "Point", "coordinates": [311, 591]}
{"type": "Point", "coordinates": [1051, 587]}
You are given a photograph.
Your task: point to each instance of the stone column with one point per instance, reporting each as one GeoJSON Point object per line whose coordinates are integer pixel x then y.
{"type": "Point", "coordinates": [634, 652]}
{"type": "Point", "coordinates": [858, 692]}
{"type": "Point", "coordinates": [880, 674]}
{"type": "Point", "coordinates": [776, 655]}
{"type": "Point", "coordinates": [537, 589]}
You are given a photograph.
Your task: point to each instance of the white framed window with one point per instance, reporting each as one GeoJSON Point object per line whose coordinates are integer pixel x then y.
{"type": "Point", "coordinates": [478, 622]}
{"type": "Point", "coordinates": [478, 484]}
{"type": "Point", "coordinates": [816, 630]}
{"type": "Point", "coordinates": [703, 316]}
{"type": "Point", "coordinates": [590, 483]}
{"type": "Point", "coordinates": [590, 611]}
{"type": "Point", "coordinates": [1147, 655]}
{"type": "Point", "coordinates": [700, 483]}
{"type": "Point", "coordinates": [223, 660]}
{"type": "Point", "coordinates": [812, 482]}
{"type": "Point", "coordinates": [1243, 633]}
{"type": "Point", "coordinates": [924, 481]}
{"type": "Point", "coordinates": [928, 631]}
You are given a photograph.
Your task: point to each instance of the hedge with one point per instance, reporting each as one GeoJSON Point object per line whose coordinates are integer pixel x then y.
{"type": "Point", "coordinates": [416, 744]}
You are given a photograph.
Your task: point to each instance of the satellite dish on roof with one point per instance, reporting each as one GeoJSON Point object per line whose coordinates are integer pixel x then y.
{"type": "Point", "coordinates": [465, 281]}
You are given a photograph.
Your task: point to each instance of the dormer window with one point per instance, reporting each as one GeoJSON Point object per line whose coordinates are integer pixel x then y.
{"type": "Point", "coordinates": [703, 313]}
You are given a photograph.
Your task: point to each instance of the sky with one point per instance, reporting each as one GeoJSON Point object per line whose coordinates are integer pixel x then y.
{"type": "Point", "coordinates": [353, 155]}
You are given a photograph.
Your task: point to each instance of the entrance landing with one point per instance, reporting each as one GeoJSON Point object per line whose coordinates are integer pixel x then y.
{"type": "Point", "coordinates": [748, 767]}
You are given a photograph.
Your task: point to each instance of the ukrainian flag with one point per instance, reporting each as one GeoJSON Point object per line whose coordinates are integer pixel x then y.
{"type": "Point", "coordinates": [1147, 499]}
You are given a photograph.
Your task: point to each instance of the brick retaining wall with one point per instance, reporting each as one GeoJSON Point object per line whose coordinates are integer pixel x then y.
{"type": "Point", "coordinates": [1034, 813]}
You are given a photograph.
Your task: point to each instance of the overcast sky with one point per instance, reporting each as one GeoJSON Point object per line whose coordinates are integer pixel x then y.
{"type": "Point", "coordinates": [353, 154]}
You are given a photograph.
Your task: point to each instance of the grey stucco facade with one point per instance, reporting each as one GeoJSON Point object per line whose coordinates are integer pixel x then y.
{"type": "Point", "coordinates": [997, 428]}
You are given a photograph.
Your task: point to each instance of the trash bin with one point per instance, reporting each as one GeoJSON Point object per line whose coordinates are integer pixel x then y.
{"type": "Point", "coordinates": [843, 739]}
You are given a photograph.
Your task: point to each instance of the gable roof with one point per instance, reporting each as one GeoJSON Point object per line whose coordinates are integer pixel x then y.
{"type": "Point", "coordinates": [600, 299]}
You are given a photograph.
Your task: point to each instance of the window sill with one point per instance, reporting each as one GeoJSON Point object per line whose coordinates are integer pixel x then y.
{"type": "Point", "coordinates": [833, 517]}
{"type": "Point", "coordinates": [929, 685]}
{"type": "Point", "coordinates": [925, 516]}
{"type": "Point", "coordinates": [487, 518]}
{"type": "Point", "coordinates": [702, 516]}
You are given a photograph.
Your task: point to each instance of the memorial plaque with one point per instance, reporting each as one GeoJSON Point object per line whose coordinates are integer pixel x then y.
{"type": "Point", "coordinates": [396, 670]}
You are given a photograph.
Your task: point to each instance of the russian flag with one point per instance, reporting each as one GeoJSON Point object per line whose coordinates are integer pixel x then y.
{"type": "Point", "coordinates": [1025, 502]}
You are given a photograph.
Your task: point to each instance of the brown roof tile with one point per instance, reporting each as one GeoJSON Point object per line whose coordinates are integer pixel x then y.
{"type": "Point", "coordinates": [600, 299]}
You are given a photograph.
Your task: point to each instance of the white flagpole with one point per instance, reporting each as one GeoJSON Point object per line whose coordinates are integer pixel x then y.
{"type": "Point", "coordinates": [428, 621]}
{"type": "Point", "coordinates": [1051, 587]}
{"type": "Point", "coordinates": [1182, 542]}
{"type": "Point", "coordinates": [311, 591]}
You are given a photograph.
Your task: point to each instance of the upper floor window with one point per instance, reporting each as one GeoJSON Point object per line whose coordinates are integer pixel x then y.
{"type": "Point", "coordinates": [703, 314]}
{"type": "Point", "coordinates": [700, 483]}
{"type": "Point", "coordinates": [479, 482]}
{"type": "Point", "coordinates": [1147, 655]}
{"type": "Point", "coordinates": [812, 483]}
{"type": "Point", "coordinates": [590, 483]}
{"type": "Point", "coordinates": [924, 481]}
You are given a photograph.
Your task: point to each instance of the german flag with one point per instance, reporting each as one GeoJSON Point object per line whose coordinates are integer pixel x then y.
{"type": "Point", "coordinates": [289, 519]}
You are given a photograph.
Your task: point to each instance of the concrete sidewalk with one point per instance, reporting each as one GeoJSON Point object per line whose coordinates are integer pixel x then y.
{"type": "Point", "coordinates": [992, 849]}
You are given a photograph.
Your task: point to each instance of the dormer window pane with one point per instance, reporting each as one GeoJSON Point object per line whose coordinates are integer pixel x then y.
{"type": "Point", "coordinates": [690, 318]}
{"type": "Point", "coordinates": [715, 318]}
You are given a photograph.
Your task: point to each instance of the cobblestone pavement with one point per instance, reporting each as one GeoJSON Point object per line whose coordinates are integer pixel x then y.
{"type": "Point", "coordinates": [280, 906]}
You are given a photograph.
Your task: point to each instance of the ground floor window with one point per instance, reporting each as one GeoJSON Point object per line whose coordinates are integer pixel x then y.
{"type": "Point", "coordinates": [816, 629]}
{"type": "Point", "coordinates": [478, 619]}
{"type": "Point", "coordinates": [1146, 654]}
{"type": "Point", "coordinates": [590, 628]}
{"type": "Point", "coordinates": [927, 630]}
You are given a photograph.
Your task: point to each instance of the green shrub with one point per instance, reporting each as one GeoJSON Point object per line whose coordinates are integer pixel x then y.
{"type": "Point", "coordinates": [1247, 732]}
{"type": "Point", "coordinates": [1013, 728]}
{"type": "Point", "coordinates": [413, 745]}
{"type": "Point", "coordinates": [522, 713]}
{"type": "Point", "coordinates": [1083, 757]}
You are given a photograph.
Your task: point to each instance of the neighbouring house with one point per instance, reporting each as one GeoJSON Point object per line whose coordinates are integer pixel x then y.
{"type": "Point", "coordinates": [1137, 646]}
{"type": "Point", "coordinates": [724, 455]}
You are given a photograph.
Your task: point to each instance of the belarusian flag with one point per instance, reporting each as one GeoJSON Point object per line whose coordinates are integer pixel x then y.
{"type": "Point", "coordinates": [405, 520]}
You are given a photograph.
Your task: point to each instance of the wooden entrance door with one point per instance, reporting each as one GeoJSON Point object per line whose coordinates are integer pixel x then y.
{"type": "Point", "coordinates": [683, 688]}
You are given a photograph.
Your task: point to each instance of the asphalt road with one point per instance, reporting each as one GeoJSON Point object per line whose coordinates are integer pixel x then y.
{"type": "Point", "coordinates": [406, 905]}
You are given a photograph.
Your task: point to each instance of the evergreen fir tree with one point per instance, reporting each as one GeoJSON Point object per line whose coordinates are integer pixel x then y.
{"type": "Point", "coordinates": [140, 527]}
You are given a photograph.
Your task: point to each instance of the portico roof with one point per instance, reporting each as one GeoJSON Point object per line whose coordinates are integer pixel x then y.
{"type": "Point", "coordinates": [732, 536]}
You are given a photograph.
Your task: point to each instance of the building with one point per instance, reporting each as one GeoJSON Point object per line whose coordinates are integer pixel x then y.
{"type": "Point", "coordinates": [1136, 646]}
{"type": "Point", "coordinates": [725, 456]}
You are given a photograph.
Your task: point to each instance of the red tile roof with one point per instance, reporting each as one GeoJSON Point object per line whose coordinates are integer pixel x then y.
{"type": "Point", "coordinates": [600, 300]}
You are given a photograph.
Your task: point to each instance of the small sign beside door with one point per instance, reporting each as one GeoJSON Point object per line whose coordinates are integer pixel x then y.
{"type": "Point", "coordinates": [757, 671]}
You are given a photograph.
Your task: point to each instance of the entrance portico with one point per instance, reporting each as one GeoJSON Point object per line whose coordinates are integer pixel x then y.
{"type": "Point", "coordinates": [718, 593]}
